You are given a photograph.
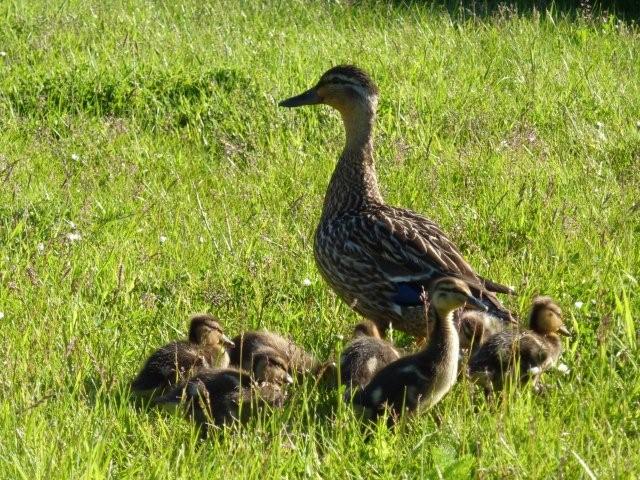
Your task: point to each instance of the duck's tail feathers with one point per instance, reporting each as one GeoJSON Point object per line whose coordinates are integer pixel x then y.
{"type": "Point", "coordinates": [494, 306]}
{"type": "Point", "coordinates": [492, 286]}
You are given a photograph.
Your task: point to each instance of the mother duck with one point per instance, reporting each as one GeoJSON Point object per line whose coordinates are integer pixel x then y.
{"type": "Point", "coordinates": [379, 259]}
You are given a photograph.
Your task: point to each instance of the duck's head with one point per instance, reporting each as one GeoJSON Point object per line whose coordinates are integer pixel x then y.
{"type": "Point", "coordinates": [345, 87]}
{"type": "Point", "coordinates": [271, 368]}
{"type": "Point", "coordinates": [546, 317]}
{"type": "Point", "coordinates": [448, 294]}
{"type": "Point", "coordinates": [366, 329]}
{"type": "Point", "coordinates": [204, 329]}
{"type": "Point", "coordinates": [472, 329]}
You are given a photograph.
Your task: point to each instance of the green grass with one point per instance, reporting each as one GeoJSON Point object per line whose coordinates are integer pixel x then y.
{"type": "Point", "coordinates": [517, 133]}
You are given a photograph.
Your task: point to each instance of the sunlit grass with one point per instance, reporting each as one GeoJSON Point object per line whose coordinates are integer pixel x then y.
{"type": "Point", "coordinates": [146, 173]}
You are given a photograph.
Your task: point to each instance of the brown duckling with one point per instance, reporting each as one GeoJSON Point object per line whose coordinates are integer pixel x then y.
{"type": "Point", "coordinates": [422, 379]}
{"type": "Point", "coordinates": [365, 356]}
{"type": "Point", "coordinates": [475, 327]}
{"type": "Point", "coordinates": [221, 396]}
{"type": "Point", "coordinates": [525, 354]}
{"type": "Point", "coordinates": [270, 357]}
{"type": "Point", "coordinates": [206, 347]}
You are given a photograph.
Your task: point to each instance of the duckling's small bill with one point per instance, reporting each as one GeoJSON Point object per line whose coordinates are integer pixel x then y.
{"type": "Point", "coordinates": [310, 97]}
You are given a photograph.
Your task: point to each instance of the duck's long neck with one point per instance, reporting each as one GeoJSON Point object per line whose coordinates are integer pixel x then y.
{"type": "Point", "coordinates": [444, 341]}
{"type": "Point", "coordinates": [354, 183]}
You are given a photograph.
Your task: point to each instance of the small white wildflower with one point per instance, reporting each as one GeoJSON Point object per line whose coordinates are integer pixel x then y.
{"type": "Point", "coordinates": [535, 370]}
{"type": "Point", "coordinates": [72, 225]}
{"type": "Point", "coordinates": [1, 315]}
{"type": "Point", "coordinates": [40, 247]}
{"type": "Point", "coordinates": [638, 124]}
{"type": "Point", "coordinates": [75, 157]}
{"type": "Point", "coordinates": [74, 237]}
{"type": "Point", "coordinates": [578, 304]}
{"type": "Point", "coordinates": [201, 239]}
{"type": "Point", "coordinates": [306, 282]}
{"type": "Point", "coordinates": [562, 368]}
{"type": "Point", "coordinates": [599, 125]}
{"type": "Point", "coordinates": [593, 302]}
{"type": "Point", "coordinates": [162, 239]}
{"type": "Point", "coordinates": [3, 54]}
{"type": "Point", "coordinates": [340, 337]}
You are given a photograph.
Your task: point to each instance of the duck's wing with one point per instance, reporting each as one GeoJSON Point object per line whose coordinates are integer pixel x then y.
{"type": "Point", "coordinates": [411, 251]}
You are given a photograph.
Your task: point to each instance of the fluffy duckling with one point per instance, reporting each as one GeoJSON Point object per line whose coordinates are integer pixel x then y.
{"type": "Point", "coordinates": [422, 379]}
{"type": "Point", "coordinates": [221, 396]}
{"type": "Point", "coordinates": [523, 353]}
{"type": "Point", "coordinates": [206, 347]}
{"type": "Point", "coordinates": [475, 327]}
{"type": "Point", "coordinates": [365, 356]}
{"type": "Point", "coordinates": [270, 357]}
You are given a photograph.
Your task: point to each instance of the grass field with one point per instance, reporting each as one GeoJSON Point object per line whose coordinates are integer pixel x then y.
{"type": "Point", "coordinates": [146, 173]}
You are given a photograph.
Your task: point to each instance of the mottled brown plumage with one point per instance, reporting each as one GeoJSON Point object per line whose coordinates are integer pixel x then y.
{"type": "Point", "coordinates": [422, 379]}
{"type": "Point", "coordinates": [206, 347]}
{"type": "Point", "coordinates": [523, 355]}
{"type": "Point", "coordinates": [270, 357]}
{"type": "Point", "coordinates": [378, 258]}
{"type": "Point", "coordinates": [221, 396]}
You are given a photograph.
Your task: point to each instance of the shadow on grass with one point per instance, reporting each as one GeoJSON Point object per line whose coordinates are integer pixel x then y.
{"type": "Point", "coordinates": [628, 10]}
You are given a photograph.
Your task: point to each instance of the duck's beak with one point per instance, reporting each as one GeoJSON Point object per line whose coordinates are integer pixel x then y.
{"type": "Point", "coordinates": [474, 303]}
{"type": "Point", "coordinates": [227, 341]}
{"type": "Point", "coordinates": [310, 97]}
{"type": "Point", "coordinates": [564, 331]}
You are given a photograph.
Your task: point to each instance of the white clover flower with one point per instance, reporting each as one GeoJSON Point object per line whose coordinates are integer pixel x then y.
{"type": "Point", "coordinates": [3, 54]}
{"type": "Point", "coordinates": [578, 304]}
{"type": "Point", "coordinates": [340, 337]}
{"type": "Point", "coordinates": [40, 247]}
{"type": "Point", "coordinates": [201, 239]}
{"type": "Point", "coordinates": [74, 237]}
{"type": "Point", "coordinates": [562, 368]}
{"type": "Point", "coordinates": [1, 315]}
{"type": "Point", "coordinates": [306, 282]}
{"type": "Point", "coordinates": [75, 157]}
{"type": "Point", "coordinates": [162, 239]}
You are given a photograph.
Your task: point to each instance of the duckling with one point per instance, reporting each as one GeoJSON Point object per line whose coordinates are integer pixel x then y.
{"type": "Point", "coordinates": [270, 357]}
{"type": "Point", "coordinates": [221, 396]}
{"type": "Point", "coordinates": [177, 360]}
{"type": "Point", "coordinates": [376, 257]}
{"type": "Point", "coordinates": [364, 356]}
{"type": "Point", "coordinates": [474, 328]}
{"type": "Point", "coordinates": [424, 378]}
{"type": "Point", "coordinates": [525, 354]}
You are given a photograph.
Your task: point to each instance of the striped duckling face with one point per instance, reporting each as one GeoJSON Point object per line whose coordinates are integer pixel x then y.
{"type": "Point", "coordinates": [546, 317]}
{"type": "Point", "coordinates": [205, 330]}
{"type": "Point", "coordinates": [344, 87]}
{"type": "Point", "coordinates": [449, 294]}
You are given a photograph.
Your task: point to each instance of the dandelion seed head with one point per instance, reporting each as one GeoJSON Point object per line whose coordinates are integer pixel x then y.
{"type": "Point", "coordinates": [73, 237]}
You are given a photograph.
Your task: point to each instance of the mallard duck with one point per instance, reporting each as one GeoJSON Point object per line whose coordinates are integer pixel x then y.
{"type": "Point", "coordinates": [270, 357]}
{"type": "Point", "coordinates": [376, 257]}
{"type": "Point", "coordinates": [206, 347]}
{"type": "Point", "coordinates": [525, 354]}
{"type": "Point", "coordinates": [365, 356]}
{"type": "Point", "coordinates": [475, 327]}
{"type": "Point", "coordinates": [221, 396]}
{"type": "Point", "coordinates": [422, 379]}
